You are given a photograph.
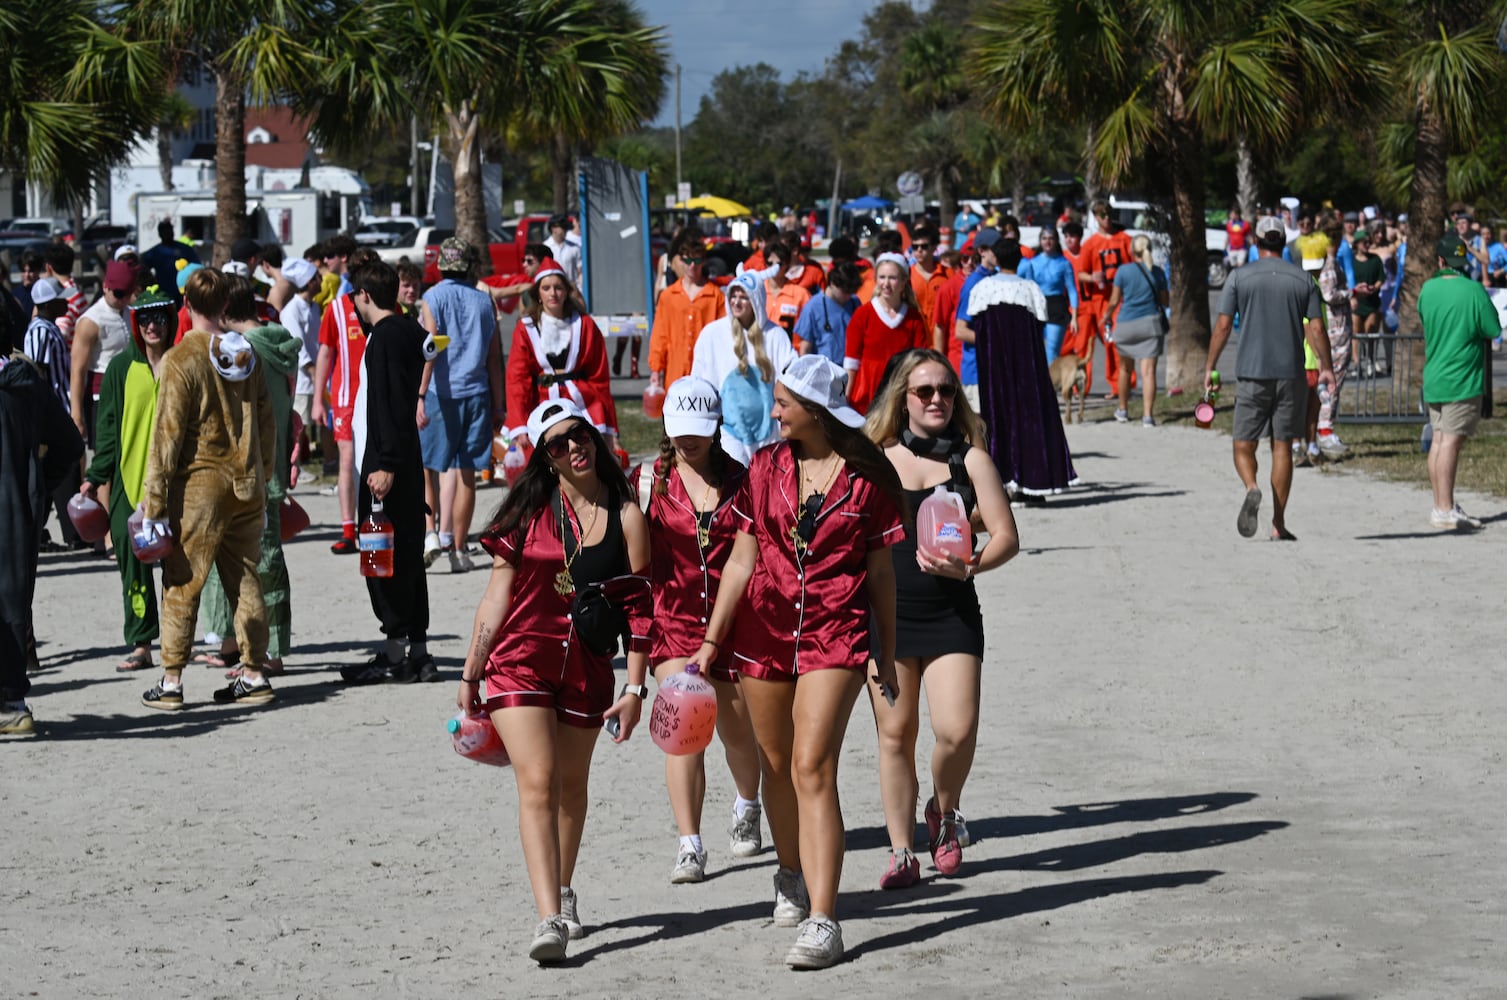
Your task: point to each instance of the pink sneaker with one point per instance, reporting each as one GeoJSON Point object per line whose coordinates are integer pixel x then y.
{"type": "Point", "coordinates": [904, 871]}
{"type": "Point", "coordinates": [946, 851]}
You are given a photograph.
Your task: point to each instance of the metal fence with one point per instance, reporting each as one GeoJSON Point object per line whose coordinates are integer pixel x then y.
{"type": "Point", "coordinates": [1384, 382]}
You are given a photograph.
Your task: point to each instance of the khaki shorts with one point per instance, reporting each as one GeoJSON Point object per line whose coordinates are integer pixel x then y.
{"type": "Point", "coordinates": [1461, 417]}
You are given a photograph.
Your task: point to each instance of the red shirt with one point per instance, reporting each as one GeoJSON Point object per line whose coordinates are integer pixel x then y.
{"type": "Point", "coordinates": [340, 331]}
{"type": "Point", "coordinates": [537, 631]}
{"type": "Point", "coordinates": [808, 612]}
{"type": "Point", "coordinates": [686, 577]}
{"type": "Point", "coordinates": [871, 344]}
{"type": "Point", "coordinates": [591, 391]}
{"type": "Point", "coordinates": [1237, 230]}
{"type": "Point", "coordinates": [946, 316]}
{"type": "Point", "coordinates": [510, 303]}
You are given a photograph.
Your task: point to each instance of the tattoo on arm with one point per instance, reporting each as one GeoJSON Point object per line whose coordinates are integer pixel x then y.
{"type": "Point", "coordinates": [483, 647]}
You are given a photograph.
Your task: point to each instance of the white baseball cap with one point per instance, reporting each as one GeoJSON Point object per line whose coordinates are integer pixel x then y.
{"type": "Point", "coordinates": [299, 272]}
{"type": "Point", "coordinates": [549, 413]}
{"type": "Point", "coordinates": [236, 267]}
{"type": "Point", "coordinates": [46, 290]}
{"type": "Point", "coordinates": [817, 380]}
{"type": "Point", "coordinates": [692, 408]}
{"type": "Point", "coordinates": [125, 249]}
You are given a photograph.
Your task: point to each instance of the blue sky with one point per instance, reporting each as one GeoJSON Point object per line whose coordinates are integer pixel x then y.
{"type": "Point", "coordinates": [708, 36]}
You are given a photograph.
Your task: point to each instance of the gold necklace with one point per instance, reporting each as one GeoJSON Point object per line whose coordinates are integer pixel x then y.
{"type": "Point", "coordinates": [703, 530]}
{"type": "Point", "coordinates": [565, 585]}
{"type": "Point", "coordinates": [795, 528]}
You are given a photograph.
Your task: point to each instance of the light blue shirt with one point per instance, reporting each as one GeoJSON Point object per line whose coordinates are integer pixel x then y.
{"type": "Point", "coordinates": [464, 314]}
{"type": "Point", "coordinates": [824, 325]}
{"type": "Point", "coordinates": [970, 373]}
{"type": "Point", "coordinates": [1053, 274]}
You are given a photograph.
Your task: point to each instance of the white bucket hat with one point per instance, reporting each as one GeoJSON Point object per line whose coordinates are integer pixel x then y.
{"type": "Point", "coordinates": [816, 379]}
{"type": "Point", "coordinates": [692, 408]}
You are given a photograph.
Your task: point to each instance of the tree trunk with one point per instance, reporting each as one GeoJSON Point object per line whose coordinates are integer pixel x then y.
{"type": "Point", "coordinates": [1425, 212]}
{"type": "Point", "coordinates": [1245, 179]}
{"type": "Point", "coordinates": [230, 164]}
{"type": "Point", "coordinates": [947, 204]}
{"type": "Point", "coordinates": [1188, 341]}
{"type": "Point", "coordinates": [165, 156]}
{"type": "Point", "coordinates": [561, 158]}
{"type": "Point", "coordinates": [1018, 193]}
{"type": "Point", "coordinates": [465, 161]}
{"type": "Point", "coordinates": [836, 205]}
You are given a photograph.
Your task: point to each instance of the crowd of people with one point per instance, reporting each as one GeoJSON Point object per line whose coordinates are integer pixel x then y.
{"type": "Point", "coordinates": [772, 541]}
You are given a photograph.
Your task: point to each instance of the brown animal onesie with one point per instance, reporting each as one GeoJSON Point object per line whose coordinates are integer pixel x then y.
{"type": "Point", "coordinates": [214, 447]}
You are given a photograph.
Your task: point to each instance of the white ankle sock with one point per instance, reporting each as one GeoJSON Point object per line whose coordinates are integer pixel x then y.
{"type": "Point", "coordinates": [742, 805]}
{"type": "Point", "coordinates": [692, 843]}
{"type": "Point", "coordinates": [447, 539]}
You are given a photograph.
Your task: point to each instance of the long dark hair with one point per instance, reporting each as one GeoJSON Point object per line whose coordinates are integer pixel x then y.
{"type": "Point", "coordinates": [537, 485]}
{"type": "Point", "coordinates": [862, 455]}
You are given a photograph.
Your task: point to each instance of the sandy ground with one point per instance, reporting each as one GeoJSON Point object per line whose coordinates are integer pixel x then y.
{"type": "Point", "coordinates": [1208, 767]}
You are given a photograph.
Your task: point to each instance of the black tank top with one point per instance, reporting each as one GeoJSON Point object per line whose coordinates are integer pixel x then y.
{"type": "Point", "coordinates": [602, 561]}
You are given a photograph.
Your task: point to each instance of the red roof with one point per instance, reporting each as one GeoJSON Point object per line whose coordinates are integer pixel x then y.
{"type": "Point", "coordinates": [289, 145]}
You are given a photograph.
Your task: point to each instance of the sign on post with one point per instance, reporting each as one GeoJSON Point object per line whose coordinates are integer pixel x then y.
{"type": "Point", "coordinates": [909, 183]}
{"type": "Point", "coordinates": [683, 191]}
{"type": "Point", "coordinates": [519, 206]}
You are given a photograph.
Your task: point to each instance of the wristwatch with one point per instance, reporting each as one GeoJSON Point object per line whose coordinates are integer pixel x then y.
{"type": "Point", "coordinates": [642, 690]}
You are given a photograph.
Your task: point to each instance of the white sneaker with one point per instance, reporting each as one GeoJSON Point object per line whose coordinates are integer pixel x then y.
{"type": "Point", "coordinates": [689, 867]}
{"type": "Point", "coordinates": [432, 548]}
{"type": "Point", "coordinates": [817, 946]}
{"type": "Point", "coordinates": [550, 938]}
{"type": "Point", "coordinates": [744, 837]}
{"type": "Point", "coordinates": [1122, 417]}
{"type": "Point", "coordinates": [791, 904]}
{"type": "Point", "coordinates": [1332, 446]}
{"type": "Point", "coordinates": [460, 562]}
{"type": "Point", "coordinates": [1454, 520]}
{"type": "Point", "coordinates": [570, 914]}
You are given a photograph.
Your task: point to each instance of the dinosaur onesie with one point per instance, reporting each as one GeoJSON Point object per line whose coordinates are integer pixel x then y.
{"type": "Point", "coordinates": [214, 448]}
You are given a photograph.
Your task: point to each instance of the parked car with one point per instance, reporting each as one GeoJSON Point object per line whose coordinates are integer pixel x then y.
{"type": "Point", "coordinates": [1144, 217]}
{"type": "Point", "coordinates": [386, 232]}
{"type": "Point", "coordinates": [505, 251]}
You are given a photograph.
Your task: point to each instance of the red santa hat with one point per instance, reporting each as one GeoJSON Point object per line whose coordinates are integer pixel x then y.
{"type": "Point", "coordinates": [547, 267]}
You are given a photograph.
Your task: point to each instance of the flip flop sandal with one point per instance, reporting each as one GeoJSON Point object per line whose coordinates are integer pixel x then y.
{"type": "Point", "coordinates": [233, 674]}
{"type": "Point", "coordinates": [136, 661]}
{"type": "Point", "coordinates": [216, 661]}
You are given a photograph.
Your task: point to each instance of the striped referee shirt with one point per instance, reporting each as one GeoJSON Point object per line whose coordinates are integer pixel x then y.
{"type": "Point", "coordinates": [44, 345]}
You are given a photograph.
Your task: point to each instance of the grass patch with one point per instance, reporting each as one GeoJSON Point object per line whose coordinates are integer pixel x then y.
{"type": "Point", "coordinates": [1389, 451]}
{"type": "Point", "coordinates": [639, 435]}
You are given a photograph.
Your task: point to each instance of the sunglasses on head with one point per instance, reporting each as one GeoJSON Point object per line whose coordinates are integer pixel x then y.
{"type": "Point", "coordinates": [947, 390]}
{"type": "Point", "coordinates": [559, 445]}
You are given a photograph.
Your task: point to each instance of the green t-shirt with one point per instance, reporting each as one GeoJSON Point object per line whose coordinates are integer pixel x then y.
{"type": "Point", "coordinates": [1457, 317]}
{"type": "Point", "coordinates": [1370, 271]}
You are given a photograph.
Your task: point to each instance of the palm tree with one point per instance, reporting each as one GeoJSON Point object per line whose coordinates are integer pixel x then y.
{"type": "Point", "coordinates": [254, 49]}
{"type": "Point", "coordinates": [79, 95]}
{"type": "Point", "coordinates": [1156, 80]}
{"type": "Point", "coordinates": [604, 77]}
{"type": "Point", "coordinates": [1449, 66]}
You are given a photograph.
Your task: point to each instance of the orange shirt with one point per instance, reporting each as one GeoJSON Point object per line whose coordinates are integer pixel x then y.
{"type": "Point", "coordinates": [677, 323]}
{"type": "Point", "coordinates": [784, 304]}
{"type": "Point", "coordinates": [813, 279]}
{"type": "Point", "coordinates": [926, 289]}
{"type": "Point", "coordinates": [865, 290]}
{"type": "Point", "coordinates": [1101, 252]}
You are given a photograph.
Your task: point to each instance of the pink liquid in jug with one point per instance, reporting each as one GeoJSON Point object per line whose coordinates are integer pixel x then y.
{"type": "Point", "coordinates": [375, 542]}
{"type": "Point", "coordinates": [147, 550]}
{"type": "Point", "coordinates": [684, 715]}
{"type": "Point", "coordinates": [942, 527]}
{"type": "Point", "coordinates": [654, 402]}
{"type": "Point", "coordinates": [89, 519]}
{"type": "Point", "coordinates": [475, 738]}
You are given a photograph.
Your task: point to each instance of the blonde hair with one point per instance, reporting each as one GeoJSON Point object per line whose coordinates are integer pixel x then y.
{"type": "Point", "coordinates": [1140, 247]}
{"type": "Point", "coordinates": [887, 416]}
{"type": "Point", "coordinates": [752, 335]}
{"type": "Point", "coordinates": [907, 290]}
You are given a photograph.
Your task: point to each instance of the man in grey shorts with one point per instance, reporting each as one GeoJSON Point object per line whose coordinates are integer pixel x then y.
{"type": "Point", "coordinates": [1279, 308]}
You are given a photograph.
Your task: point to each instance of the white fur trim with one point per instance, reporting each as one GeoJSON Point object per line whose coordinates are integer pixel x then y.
{"type": "Point", "coordinates": [893, 258]}
{"type": "Point", "coordinates": [1007, 290]}
{"type": "Point", "coordinates": [890, 319]}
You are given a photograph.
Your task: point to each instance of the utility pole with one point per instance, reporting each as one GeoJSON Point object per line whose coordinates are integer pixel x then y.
{"type": "Point", "coordinates": [413, 165]}
{"type": "Point", "coordinates": [677, 131]}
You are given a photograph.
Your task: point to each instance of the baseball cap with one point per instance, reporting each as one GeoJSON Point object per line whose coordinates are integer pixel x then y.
{"type": "Point", "coordinates": [1352, 217]}
{"type": "Point", "coordinates": [817, 380]}
{"type": "Point", "coordinates": [238, 267]}
{"type": "Point", "coordinates": [549, 413]}
{"type": "Point", "coordinates": [454, 255]}
{"type": "Point", "coordinates": [46, 290]}
{"type": "Point", "coordinates": [1313, 263]}
{"type": "Point", "coordinates": [244, 249]}
{"type": "Point", "coordinates": [1363, 233]}
{"type": "Point", "coordinates": [120, 276]}
{"type": "Point", "coordinates": [987, 237]}
{"type": "Point", "coordinates": [125, 250]}
{"type": "Point", "coordinates": [1271, 231]}
{"type": "Point", "coordinates": [1451, 248]}
{"type": "Point", "coordinates": [299, 272]}
{"type": "Point", "coordinates": [692, 408]}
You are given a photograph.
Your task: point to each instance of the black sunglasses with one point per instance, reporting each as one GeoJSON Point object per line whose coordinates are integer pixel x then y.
{"type": "Point", "coordinates": [947, 390]}
{"type": "Point", "coordinates": [691, 261]}
{"type": "Point", "coordinates": [559, 446]}
{"type": "Point", "coordinates": [920, 246]}
{"type": "Point", "coordinates": [805, 525]}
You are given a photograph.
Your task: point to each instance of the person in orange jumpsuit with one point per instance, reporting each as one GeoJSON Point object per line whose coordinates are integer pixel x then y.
{"type": "Point", "coordinates": [928, 275]}
{"type": "Point", "coordinates": [1096, 262]}
{"type": "Point", "coordinates": [682, 310]}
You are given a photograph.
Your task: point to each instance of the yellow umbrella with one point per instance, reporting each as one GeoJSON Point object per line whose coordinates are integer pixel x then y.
{"type": "Point", "coordinates": [723, 208]}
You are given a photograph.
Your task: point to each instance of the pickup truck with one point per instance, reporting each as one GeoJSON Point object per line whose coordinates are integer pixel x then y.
{"type": "Point", "coordinates": [505, 251]}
